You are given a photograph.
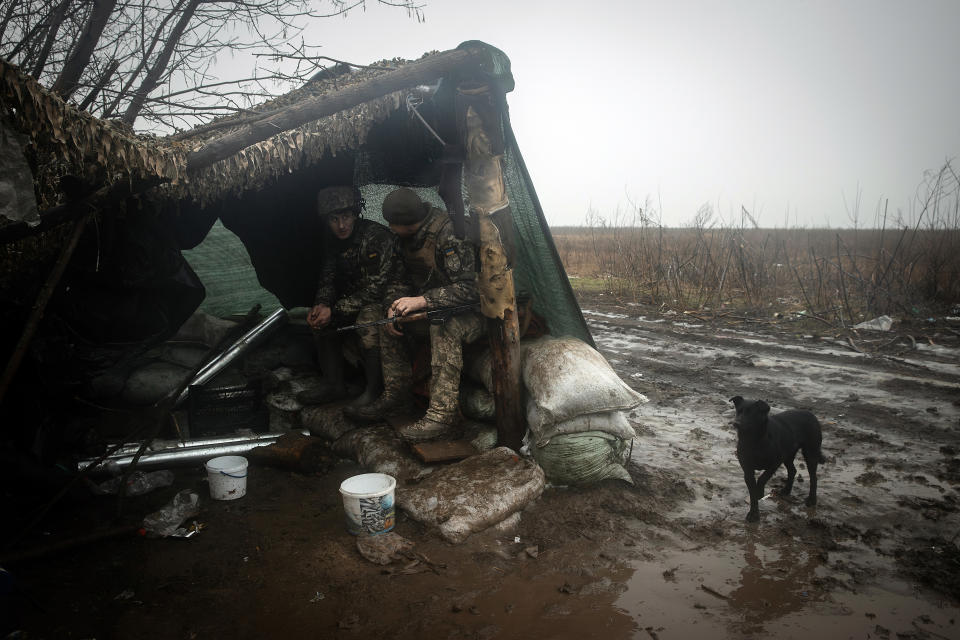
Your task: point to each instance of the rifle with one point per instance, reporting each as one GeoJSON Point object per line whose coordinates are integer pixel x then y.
{"type": "Point", "coordinates": [435, 316]}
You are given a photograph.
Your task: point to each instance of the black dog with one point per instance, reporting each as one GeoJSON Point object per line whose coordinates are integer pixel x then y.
{"type": "Point", "coordinates": [765, 441]}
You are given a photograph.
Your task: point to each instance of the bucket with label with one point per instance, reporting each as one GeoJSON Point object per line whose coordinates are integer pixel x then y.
{"type": "Point", "coordinates": [228, 477]}
{"type": "Point", "coordinates": [368, 503]}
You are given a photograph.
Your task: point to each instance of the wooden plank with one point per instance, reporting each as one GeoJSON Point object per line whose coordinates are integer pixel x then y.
{"type": "Point", "coordinates": [444, 451]}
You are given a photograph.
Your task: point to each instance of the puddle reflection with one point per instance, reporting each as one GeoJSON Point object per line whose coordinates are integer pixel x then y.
{"type": "Point", "coordinates": [773, 583]}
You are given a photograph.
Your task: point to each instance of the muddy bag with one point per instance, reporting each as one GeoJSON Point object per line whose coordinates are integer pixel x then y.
{"type": "Point", "coordinates": [583, 458]}
{"type": "Point", "coordinates": [474, 494]}
{"type": "Point", "coordinates": [477, 403]}
{"type": "Point", "coordinates": [614, 423]}
{"type": "Point", "coordinates": [380, 449]}
{"type": "Point", "coordinates": [567, 378]}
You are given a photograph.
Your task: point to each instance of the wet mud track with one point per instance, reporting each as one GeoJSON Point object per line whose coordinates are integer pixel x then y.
{"type": "Point", "coordinates": [669, 557]}
{"type": "Point", "coordinates": [877, 557]}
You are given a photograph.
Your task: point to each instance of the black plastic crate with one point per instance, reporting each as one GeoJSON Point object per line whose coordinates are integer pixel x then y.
{"type": "Point", "coordinates": [219, 410]}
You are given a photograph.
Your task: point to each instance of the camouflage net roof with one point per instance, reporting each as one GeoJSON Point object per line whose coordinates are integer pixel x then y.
{"type": "Point", "coordinates": [65, 140]}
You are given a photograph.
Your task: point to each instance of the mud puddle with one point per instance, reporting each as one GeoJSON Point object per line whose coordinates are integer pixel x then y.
{"type": "Point", "coordinates": [859, 564]}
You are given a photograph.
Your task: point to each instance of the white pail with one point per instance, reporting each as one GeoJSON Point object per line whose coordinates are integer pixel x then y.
{"type": "Point", "coordinates": [368, 503]}
{"type": "Point", "coordinates": [228, 477]}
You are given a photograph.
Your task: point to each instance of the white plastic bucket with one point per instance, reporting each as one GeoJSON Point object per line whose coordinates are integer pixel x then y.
{"type": "Point", "coordinates": [368, 503]}
{"type": "Point", "coordinates": [228, 477]}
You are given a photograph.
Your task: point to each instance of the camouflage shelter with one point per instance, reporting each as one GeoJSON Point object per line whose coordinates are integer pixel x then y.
{"type": "Point", "coordinates": [134, 204]}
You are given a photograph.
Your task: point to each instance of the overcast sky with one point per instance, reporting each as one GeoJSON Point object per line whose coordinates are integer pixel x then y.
{"type": "Point", "coordinates": [790, 109]}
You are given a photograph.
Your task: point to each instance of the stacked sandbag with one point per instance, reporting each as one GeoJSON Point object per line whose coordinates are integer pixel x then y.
{"type": "Point", "coordinates": [473, 495]}
{"type": "Point", "coordinates": [576, 411]}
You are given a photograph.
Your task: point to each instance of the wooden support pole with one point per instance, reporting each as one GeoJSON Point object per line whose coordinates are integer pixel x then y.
{"type": "Point", "coordinates": [36, 314]}
{"type": "Point", "coordinates": [483, 178]}
{"type": "Point", "coordinates": [424, 71]}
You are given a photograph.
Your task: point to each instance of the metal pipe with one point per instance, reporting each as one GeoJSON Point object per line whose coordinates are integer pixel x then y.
{"type": "Point", "coordinates": [180, 455]}
{"type": "Point", "coordinates": [161, 445]}
{"type": "Point", "coordinates": [245, 342]}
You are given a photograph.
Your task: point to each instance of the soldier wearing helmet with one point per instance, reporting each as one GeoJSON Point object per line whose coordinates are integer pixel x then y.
{"type": "Point", "coordinates": [358, 261]}
{"type": "Point", "coordinates": [439, 271]}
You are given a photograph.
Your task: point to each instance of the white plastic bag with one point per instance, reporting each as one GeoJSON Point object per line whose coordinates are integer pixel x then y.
{"type": "Point", "coordinates": [567, 378]}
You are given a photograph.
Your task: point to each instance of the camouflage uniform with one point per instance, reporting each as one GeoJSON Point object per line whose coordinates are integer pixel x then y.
{"type": "Point", "coordinates": [354, 277]}
{"type": "Point", "coordinates": [441, 267]}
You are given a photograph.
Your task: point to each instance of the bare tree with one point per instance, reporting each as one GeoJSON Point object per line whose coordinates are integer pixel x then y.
{"type": "Point", "coordinates": [149, 61]}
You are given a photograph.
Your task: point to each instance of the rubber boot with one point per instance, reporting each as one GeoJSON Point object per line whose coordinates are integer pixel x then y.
{"type": "Point", "coordinates": [373, 374]}
{"type": "Point", "coordinates": [331, 365]}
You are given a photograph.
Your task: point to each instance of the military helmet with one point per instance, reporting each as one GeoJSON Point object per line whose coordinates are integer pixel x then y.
{"type": "Point", "coordinates": [403, 206]}
{"type": "Point", "coordinates": [339, 200]}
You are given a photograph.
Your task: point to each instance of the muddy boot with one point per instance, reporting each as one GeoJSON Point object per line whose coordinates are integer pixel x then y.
{"type": "Point", "coordinates": [425, 429]}
{"type": "Point", "coordinates": [389, 403]}
{"type": "Point", "coordinates": [331, 365]}
{"type": "Point", "coordinates": [374, 379]}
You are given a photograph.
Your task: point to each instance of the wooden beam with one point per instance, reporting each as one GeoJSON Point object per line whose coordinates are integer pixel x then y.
{"type": "Point", "coordinates": [316, 107]}
{"type": "Point", "coordinates": [36, 314]}
{"type": "Point", "coordinates": [483, 178]}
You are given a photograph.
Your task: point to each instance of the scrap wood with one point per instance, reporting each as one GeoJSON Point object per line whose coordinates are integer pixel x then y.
{"type": "Point", "coordinates": [444, 451]}
{"type": "Point", "coordinates": [294, 451]}
{"type": "Point", "coordinates": [714, 592]}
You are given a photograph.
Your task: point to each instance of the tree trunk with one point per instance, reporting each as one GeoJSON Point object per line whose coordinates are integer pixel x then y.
{"type": "Point", "coordinates": [153, 76]}
{"type": "Point", "coordinates": [56, 19]}
{"type": "Point", "coordinates": [125, 90]}
{"type": "Point", "coordinates": [69, 79]}
{"type": "Point", "coordinates": [101, 83]}
{"type": "Point", "coordinates": [317, 107]}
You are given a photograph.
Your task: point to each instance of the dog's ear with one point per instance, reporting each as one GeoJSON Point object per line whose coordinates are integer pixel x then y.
{"type": "Point", "coordinates": [763, 407]}
{"type": "Point", "coordinates": [737, 401]}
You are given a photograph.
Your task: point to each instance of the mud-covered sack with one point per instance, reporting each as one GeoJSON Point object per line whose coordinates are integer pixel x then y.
{"type": "Point", "coordinates": [567, 378]}
{"type": "Point", "coordinates": [583, 458]}
{"type": "Point", "coordinates": [481, 435]}
{"type": "Point", "coordinates": [479, 367]}
{"type": "Point", "coordinates": [477, 403]}
{"type": "Point", "coordinates": [380, 449]}
{"type": "Point", "coordinates": [474, 494]}
{"type": "Point", "coordinates": [326, 422]}
{"type": "Point", "coordinates": [614, 423]}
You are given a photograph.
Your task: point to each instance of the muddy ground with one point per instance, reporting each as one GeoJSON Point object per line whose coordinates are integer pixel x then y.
{"type": "Point", "coordinates": [670, 557]}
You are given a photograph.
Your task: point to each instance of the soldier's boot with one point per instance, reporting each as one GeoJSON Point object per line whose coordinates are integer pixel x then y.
{"type": "Point", "coordinates": [390, 402]}
{"type": "Point", "coordinates": [426, 429]}
{"type": "Point", "coordinates": [331, 364]}
{"type": "Point", "coordinates": [373, 373]}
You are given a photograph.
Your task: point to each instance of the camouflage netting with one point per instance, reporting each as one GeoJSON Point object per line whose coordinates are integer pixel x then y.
{"type": "Point", "coordinates": [264, 195]}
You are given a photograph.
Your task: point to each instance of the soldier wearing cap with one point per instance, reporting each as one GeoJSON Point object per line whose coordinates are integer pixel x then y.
{"type": "Point", "coordinates": [359, 258]}
{"type": "Point", "coordinates": [439, 271]}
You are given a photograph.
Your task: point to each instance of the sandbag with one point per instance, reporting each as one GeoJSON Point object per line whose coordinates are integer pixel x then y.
{"type": "Point", "coordinates": [474, 494]}
{"type": "Point", "coordinates": [613, 422]}
{"type": "Point", "coordinates": [583, 458]}
{"type": "Point", "coordinates": [477, 403]}
{"type": "Point", "coordinates": [380, 449]}
{"type": "Point", "coordinates": [325, 421]}
{"type": "Point", "coordinates": [481, 435]}
{"type": "Point", "coordinates": [567, 378]}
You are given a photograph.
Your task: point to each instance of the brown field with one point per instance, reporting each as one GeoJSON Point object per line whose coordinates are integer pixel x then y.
{"type": "Point", "coordinates": [837, 275]}
{"type": "Point", "coordinates": [906, 264]}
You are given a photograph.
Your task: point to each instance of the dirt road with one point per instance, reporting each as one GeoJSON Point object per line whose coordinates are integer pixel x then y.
{"type": "Point", "coordinates": [670, 557]}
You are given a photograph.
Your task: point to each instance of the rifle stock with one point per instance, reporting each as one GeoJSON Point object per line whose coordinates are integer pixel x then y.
{"type": "Point", "coordinates": [440, 315]}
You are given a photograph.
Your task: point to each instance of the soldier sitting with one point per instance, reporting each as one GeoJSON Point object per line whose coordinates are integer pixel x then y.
{"type": "Point", "coordinates": [439, 269]}
{"type": "Point", "coordinates": [359, 256]}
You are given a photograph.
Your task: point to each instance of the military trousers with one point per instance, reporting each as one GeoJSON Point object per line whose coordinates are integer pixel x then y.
{"type": "Point", "coordinates": [446, 360]}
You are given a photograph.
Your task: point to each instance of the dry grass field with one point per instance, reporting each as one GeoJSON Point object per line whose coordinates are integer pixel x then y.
{"type": "Point", "coordinates": [909, 268]}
